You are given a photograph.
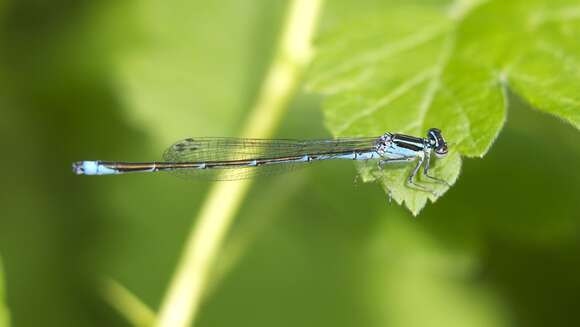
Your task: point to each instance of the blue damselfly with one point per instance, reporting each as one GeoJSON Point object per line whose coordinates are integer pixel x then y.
{"type": "Point", "coordinates": [240, 158]}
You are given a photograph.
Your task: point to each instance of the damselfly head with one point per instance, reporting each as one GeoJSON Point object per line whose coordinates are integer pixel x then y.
{"type": "Point", "coordinates": [437, 142]}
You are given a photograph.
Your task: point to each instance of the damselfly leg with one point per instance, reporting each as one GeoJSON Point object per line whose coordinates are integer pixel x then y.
{"type": "Point", "coordinates": [411, 179]}
{"type": "Point", "coordinates": [429, 176]}
{"type": "Point", "coordinates": [420, 157]}
{"type": "Point", "coordinates": [384, 162]}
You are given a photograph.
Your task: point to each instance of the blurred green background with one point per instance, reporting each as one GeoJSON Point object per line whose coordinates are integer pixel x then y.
{"type": "Point", "coordinates": [121, 80]}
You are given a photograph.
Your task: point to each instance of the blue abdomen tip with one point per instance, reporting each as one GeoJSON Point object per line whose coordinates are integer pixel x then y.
{"type": "Point", "coordinates": [92, 168]}
{"type": "Point", "coordinates": [86, 167]}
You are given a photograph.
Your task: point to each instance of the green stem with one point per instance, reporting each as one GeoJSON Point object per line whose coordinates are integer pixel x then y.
{"type": "Point", "coordinates": [120, 298]}
{"type": "Point", "coordinates": [4, 313]}
{"type": "Point", "coordinates": [185, 294]}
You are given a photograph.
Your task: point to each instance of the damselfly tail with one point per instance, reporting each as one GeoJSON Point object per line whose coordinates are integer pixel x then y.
{"type": "Point", "coordinates": [238, 158]}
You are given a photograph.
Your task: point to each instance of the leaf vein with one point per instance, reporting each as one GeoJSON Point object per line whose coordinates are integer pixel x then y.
{"type": "Point", "coordinates": [370, 57]}
{"type": "Point", "coordinates": [435, 84]}
{"type": "Point", "coordinates": [389, 98]}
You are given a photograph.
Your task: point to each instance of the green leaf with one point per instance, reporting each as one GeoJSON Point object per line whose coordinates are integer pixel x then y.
{"type": "Point", "coordinates": [406, 67]}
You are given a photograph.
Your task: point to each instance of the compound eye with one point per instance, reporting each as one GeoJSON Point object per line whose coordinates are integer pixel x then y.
{"type": "Point", "coordinates": [434, 132]}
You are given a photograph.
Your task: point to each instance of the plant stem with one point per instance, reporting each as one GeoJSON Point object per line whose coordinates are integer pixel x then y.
{"type": "Point", "coordinates": [120, 298]}
{"type": "Point", "coordinates": [4, 312]}
{"type": "Point", "coordinates": [181, 304]}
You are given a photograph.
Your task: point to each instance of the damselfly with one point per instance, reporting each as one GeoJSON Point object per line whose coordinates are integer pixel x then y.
{"type": "Point", "coordinates": [240, 158]}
